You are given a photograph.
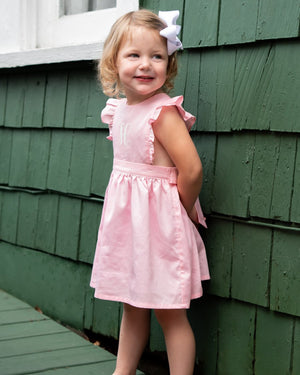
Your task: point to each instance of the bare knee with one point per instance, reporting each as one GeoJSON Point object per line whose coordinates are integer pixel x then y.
{"type": "Point", "coordinates": [130, 310]}
{"type": "Point", "coordinates": [168, 318]}
{"type": "Point", "coordinates": [135, 313]}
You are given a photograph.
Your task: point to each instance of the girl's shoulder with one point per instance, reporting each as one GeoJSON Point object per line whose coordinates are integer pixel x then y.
{"type": "Point", "coordinates": [164, 101]}
{"type": "Point", "coordinates": [108, 112]}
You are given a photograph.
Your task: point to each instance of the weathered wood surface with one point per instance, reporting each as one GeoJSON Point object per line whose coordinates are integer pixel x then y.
{"type": "Point", "coordinates": [215, 22]}
{"type": "Point", "coordinates": [257, 172]}
{"type": "Point", "coordinates": [30, 342]}
{"type": "Point", "coordinates": [251, 87]}
{"type": "Point", "coordinates": [239, 74]}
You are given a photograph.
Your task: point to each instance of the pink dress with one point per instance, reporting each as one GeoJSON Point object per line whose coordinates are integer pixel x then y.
{"type": "Point", "coordinates": [149, 254]}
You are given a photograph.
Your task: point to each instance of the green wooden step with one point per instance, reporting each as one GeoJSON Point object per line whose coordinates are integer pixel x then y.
{"type": "Point", "coordinates": [20, 316]}
{"type": "Point", "coordinates": [21, 330]}
{"type": "Point", "coordinates": [48, 360]}
{"type": "Point", "coordinates": [41, 343]}
{"type": "Point", "coordinates": [32, 343]}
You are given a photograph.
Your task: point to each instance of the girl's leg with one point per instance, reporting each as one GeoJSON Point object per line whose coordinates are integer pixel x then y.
{"type": "Point", "coordinates": [179, 339]}
{"type": "Point", "coordinates": [133, 338]}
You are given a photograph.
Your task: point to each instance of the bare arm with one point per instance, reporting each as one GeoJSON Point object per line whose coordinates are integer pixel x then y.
{"type": "Point", "coordinates": [171, 132]}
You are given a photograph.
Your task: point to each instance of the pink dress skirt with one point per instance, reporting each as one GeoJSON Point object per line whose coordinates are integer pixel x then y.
{"type": "Point", "coordinates": [149, 253]}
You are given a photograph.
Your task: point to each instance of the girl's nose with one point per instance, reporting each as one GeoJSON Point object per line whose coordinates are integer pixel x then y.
{"type": "Point", "coordinates": [145, 63]}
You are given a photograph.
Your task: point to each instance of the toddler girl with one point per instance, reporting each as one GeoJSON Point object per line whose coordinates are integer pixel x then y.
{"type": "Point", "coordinates": [149, 253]}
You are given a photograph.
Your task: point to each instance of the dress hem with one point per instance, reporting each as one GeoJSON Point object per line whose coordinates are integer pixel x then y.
{"type": "Point", "coordinates": [145, 305]}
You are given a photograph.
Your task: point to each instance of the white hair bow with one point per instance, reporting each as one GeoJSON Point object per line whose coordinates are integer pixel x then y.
{"type": "Point", "coordinates": [171, 31]}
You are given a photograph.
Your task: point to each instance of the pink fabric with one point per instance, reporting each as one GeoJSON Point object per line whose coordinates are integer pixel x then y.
{"type": "Point", "coordinates": [149, 254]}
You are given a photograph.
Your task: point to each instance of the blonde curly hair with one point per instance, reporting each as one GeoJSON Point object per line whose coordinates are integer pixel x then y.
{"type": "Point", "coordinates": [107, 67]}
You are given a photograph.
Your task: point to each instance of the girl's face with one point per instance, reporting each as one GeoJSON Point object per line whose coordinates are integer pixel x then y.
{"type": "Point", "coordinates": [142, 62]}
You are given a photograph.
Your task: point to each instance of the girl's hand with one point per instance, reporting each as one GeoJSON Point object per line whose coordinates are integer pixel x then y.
{"type": "Point", "coordinates": [193, 215]}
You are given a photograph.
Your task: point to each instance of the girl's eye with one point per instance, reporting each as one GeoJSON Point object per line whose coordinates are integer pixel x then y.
{"type": "Point", "coordinates": [157, 57]}
{"type": "Point", "coordinates": [134, 55]}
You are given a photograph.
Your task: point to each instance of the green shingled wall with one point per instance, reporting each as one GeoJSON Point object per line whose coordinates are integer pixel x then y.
{"type": "Point", "coordinates": [240, 75]}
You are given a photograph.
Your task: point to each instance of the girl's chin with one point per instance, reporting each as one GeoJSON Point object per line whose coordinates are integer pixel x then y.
{"type": "Point", "coordinates": [141, 96]}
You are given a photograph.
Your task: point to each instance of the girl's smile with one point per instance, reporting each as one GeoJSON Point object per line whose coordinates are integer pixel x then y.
{"type": "Point", "coordinates": [144, 78]}
{"type": "Point", "coordinates": [142, 64]}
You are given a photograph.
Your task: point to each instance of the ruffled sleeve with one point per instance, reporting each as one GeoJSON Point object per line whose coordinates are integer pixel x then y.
{"type": "Point", "coordinates": [188, 118]}
{"type": "Point", "coordinates": [107, 115]}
